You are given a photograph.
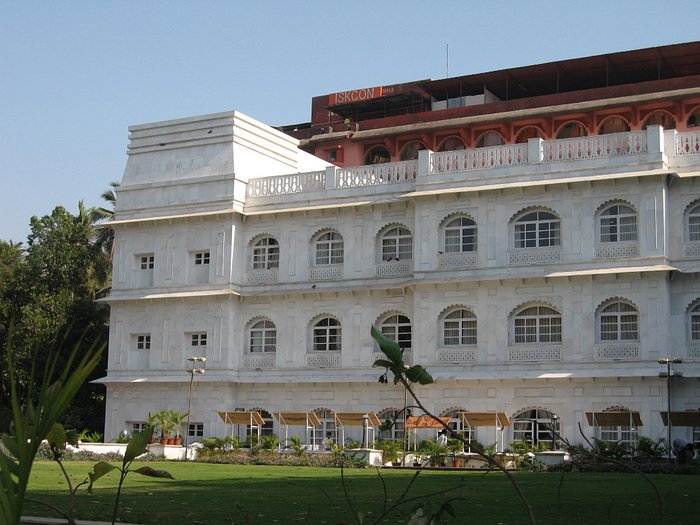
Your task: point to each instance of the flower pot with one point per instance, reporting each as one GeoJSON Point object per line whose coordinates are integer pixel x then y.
{"type": "Point", "coordinates": [178, 442]}
{"type": "Point", "coordinates": [170, 441]}
{"type": "Point", "coordinates": [457, 462]}
{"type": "Point", "coordinates": [163, 441]}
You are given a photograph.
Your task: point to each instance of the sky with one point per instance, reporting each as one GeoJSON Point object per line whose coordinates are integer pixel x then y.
{"type": "Point", "coordinates": [75, 74]}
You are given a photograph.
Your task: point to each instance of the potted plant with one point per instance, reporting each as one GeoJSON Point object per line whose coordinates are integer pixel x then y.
{"type": "Point", "coordinates": [165, 425]}
{"type": "Point", "coordinates": [152, 426]}
{"type": "Point", "coordinates": [391, 451]}
{"type": "Point", "coordinates": [437, 453]}
{"type": "Point", "coordinates": [176, 420]}
{"type": "Point", "coordinates": [456, 447]}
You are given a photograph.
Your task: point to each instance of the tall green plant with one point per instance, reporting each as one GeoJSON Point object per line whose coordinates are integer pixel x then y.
{"type": "Point", "coordinates": [34, 416]}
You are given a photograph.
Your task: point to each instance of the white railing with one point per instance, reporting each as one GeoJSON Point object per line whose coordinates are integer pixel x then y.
{"type": "Point", "coordinates": [595, 147]}
{"type": "Point", "coordinates": [286, 184]}
{"type": "Point", "coordinates": [376, 174]}
{"type": "Point", "coordinates": [479, 158]}
{"type": "Point", "coordinates": [688, 143]}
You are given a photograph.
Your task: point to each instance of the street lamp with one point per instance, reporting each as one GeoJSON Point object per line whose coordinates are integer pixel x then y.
{"type": "Point", "coordinates": [192, 371]}
{"type": "Point", "coordinates": [669, 374]}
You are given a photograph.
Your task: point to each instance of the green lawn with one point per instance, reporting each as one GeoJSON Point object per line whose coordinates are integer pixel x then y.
{"type": "Point", "coordinates": [212, 494]}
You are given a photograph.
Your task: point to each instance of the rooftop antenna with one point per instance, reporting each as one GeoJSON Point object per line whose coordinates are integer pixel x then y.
{"type": "Point", "coordinates": [447, 60]}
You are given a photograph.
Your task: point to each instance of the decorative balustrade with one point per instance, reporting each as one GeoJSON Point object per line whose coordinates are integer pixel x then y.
{"type": "Point", "coordinates": [263, 276]}
{"type": "Point", "coordinates": [324, 360]}
{"type": "Point", "coordinates": [617, 352]}
{"type": "Point", "coordinates": [479, 158]}
{"type": "Point", "coordinates": [688, 143]}
{"type": "Point", "coordinates": [391, 268]}
{"type": "Point", "coordinates": [376, 174]}
{"type": "Point", "coordinates": [286, 184]}
{"type": "Point", "coordinates": [456, 355]}
{"type": "Point", "coordinates": [595, 147]}
{"type": "Point", "coordinates": [407, 356]}
{"type": "Point", "coordinates": [534, 353]}
{"type": "Point", "coordinates": [328, 271]}
{"type": "Point", "coordinates": [266, 360]}
{"type": "Point", "coordinates": [693, 352]}
{"type": "Point", "coordinates": [534, 255]}
{"type": "Point", "coordinates": [450, 260]}
{"type": "Point", "coordinates": [616, 250]}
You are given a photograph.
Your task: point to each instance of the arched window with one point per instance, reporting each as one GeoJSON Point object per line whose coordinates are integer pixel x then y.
{"type": "Point", "coordinates": [694, 118]}
{"type": "Point", "coordinates": [694, 322]}
{"type": "Point", "coordinates": [613, 124]}
{"type": "Point", "coordinates": [457, 423]}
{"type": "Point", "coordinates": [328, 249]}
{"type": "Point", "coordinates": [537, 324]}
{"type": "Point", "coordinates": [397, 244]}
{"type": "Point", "coordinates": [397, 328]}
{"type": "Point", "coordinates": [537, 229]}
{"type": "Point", "coordinates": [266, 254]}
{"type": "Point", "coordinates": [660, 118]}
{"type": "Point", "coordinates": [692, 221]}
{"type": "Point", "coordinates": [527, 133]}
{"type": "Point", "coordinates": [326, 335]}
{"type": "Point", "coordinates": [572, 130]}
{"type": "Point", "coordinates": [327, 432]}
{"type": "Point", "coordinates": [396, 432]}
{"type": "Point", "coordinates": [535, 426]}
{"type": "Point", "coordinates": [622, 434]}
{"type": "Point", "coordinates": [618, 322]}
{"type": "Point", "coordinates": [459, 327]}
{"type": "Point", "coordinates": [267, 429]}
{"type": "Point", "coordinates": [451, 143]}
{"type": "Point", "coordinates": [460, 235]}
{"type": "Point", "coordinates": [410, 150]}
{"type": "Point", "coordinates": [618, 223]}
{"type": "Point", "coordinates": [488, 139]}
{"type": "Point", "coordinates": [263, 337]}
{"type": "Point", "coordinates": [377, 155]}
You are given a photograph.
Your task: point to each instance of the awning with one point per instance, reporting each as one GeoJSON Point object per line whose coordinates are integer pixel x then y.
{"type": "Point", "coordinates": [354, 419]}
{"type": "Point", "coordinates": [427, 422]}
{"type": "Point", "coordinates": [614, 418]}
{"type": "Point", "coordinates": [242, 418]}
{"type": "Point", "coordinates": [300, 419]}
{"type": "Point", "coordinates": [687, 418]}
{"type": "Point", "coordinates": [485, 419]}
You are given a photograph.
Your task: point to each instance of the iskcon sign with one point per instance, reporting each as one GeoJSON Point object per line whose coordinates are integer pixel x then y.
{"type": "Point", "coordinates": [356, 95]}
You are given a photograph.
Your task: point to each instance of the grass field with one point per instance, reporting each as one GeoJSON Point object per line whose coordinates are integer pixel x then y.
{"type": "Point", "coordinates": [221, 494]}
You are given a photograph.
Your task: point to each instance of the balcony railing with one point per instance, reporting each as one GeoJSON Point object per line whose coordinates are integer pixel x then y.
{"type": "Point", "coordinates": [479, 158]}
{"type": "Point", "coordinates": [287, 184]}
{"type": "Point", "coordinates": [595, 147]}
{"type": "Point", "coordinates": [376, 174]}
{"type": "Point", "coordinates": [535, 151]}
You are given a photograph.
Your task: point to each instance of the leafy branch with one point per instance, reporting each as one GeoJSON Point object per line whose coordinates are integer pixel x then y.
{"type": "Point", "coordinates": [417, 374]}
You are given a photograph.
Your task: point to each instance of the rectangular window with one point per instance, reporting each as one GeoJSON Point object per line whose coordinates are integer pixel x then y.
{"type": "Point", "coordinates": [136, 426]}
{"type": "Point", "coordinates": [143, 342]}
{"type": "Point", "coordinates": [201, 258]}
{"type": "Point", "coordinates": [694, 228]}
{"type": "Point", "coordinates": [199, 339]}
{"type": "Point", "coordinates": [195, 430]}
{"type": "Point", "coordinates": [147, 262]}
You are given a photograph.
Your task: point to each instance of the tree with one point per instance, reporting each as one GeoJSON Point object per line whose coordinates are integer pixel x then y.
{"type": "Point", "coordinates": [53, 291]}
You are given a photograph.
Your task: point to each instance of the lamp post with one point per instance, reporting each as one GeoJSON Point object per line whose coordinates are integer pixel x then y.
{"type": "Point", "coordinates": [365, 431]}
{"type": "Point", "coordinates": [192, 371]}
{"type": "Point", "coordinates": [669, 374]}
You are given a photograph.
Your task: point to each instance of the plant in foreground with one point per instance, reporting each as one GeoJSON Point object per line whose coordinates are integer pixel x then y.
{"type": "Point", "coordinates": [34, 416]}
{"type": "Point", "coordinates": [137, 446]}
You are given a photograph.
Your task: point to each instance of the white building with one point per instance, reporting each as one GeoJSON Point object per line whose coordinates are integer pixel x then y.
{"type": "Point", "coordinates": [543, 277]}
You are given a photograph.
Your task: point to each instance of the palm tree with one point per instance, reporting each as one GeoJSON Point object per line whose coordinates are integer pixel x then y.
{"type": "Point", "coordinates": [105, 236]}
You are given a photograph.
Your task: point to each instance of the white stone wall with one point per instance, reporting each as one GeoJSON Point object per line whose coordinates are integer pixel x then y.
{"type": "Point", "coordinates": [173, 210]}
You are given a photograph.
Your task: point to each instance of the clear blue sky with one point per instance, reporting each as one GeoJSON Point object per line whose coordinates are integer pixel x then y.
{"type": "Point", "coordinates": [75, 74]}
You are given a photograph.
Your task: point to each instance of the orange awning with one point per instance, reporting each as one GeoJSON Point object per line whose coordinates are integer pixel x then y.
{"type": "Point", "coordinates": [614, 418]}
{"type": "Point", "coordinates": [427, 422]}
{"type": "Point", "coordinates": [485, 419]}
{"type": "Point", "coordinates": [242, 418]}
